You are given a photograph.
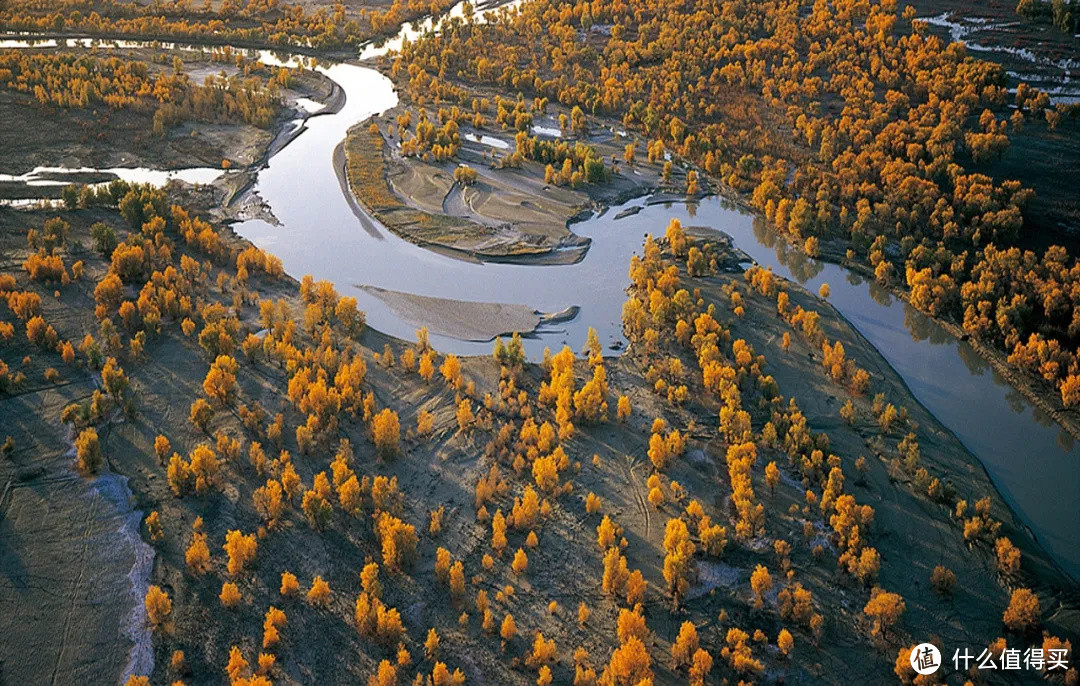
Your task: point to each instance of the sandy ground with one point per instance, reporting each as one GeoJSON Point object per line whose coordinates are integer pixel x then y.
{"type": "Point", "coordinates": [72, 139]}
{"type": "Point", "coordinates": [68, 546]}
{"type": "Point", "coordinates": [466, 320]}
{"type": "Point", "coordinates": [912, 534]}
{"type": "Point", "coordinates": [65, 559]}
{"type": "Point", "coordinates": [65, 565]}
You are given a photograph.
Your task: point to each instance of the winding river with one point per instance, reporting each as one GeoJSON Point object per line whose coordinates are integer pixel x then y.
{"type": "Point", "coordinates": [1034, 463]}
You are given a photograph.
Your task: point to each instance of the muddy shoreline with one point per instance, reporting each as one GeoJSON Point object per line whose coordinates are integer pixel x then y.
{"type": "Point", "coordinates": [1031, 387]}
{"type": "Point", "coordinates": [1026, 383]}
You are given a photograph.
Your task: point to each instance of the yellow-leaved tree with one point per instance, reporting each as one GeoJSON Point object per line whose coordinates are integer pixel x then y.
{"type": "Point", "coordinates": [386, 433]}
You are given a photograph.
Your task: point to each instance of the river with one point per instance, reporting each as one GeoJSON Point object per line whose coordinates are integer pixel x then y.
{"type": "Point", "coordinates": [1032, 461]}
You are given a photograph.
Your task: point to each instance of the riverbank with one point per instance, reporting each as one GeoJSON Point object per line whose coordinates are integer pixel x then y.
{"type": "Point", "coordinates": [238, 203]}
{"type": "Point", "coordinates": [1036, 390]}
{"type": "Point", "coordinates": [74, 566]}
{"type": "Point", "coordinates": [912, 532]}
{"type": "Point", "coordinates": [757, 150]}
{"type": "Point", "coordinates": [166, 40]}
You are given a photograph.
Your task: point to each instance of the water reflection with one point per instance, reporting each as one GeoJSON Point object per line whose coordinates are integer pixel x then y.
{"type": "Point", "coordinates": [477, 13]}
{"type": "Point", "coordinates": [1066, 440]}
{"type": "Point", "coordinates": [976, 364]}
{"type": "Point", "coordinates": [1017, 401]}
{"type": "Point", "coordinates": [921, 327]}
{"type": "Point", "coordinates": [881, 295]}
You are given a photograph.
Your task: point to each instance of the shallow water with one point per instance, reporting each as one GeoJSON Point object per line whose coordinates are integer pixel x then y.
{"type": "Point", "coordinates": [376, 257]}
{"type": "Point", "coordinates": [1033, 462]}
{"type": "Point", "coordinates": [309, 105]}
{"type": "Point", "coordinates": [156, 177]}
{"type": "Point", "coordinates": [1057, 74]}
{"type": "Point", "coordinates": [411, 30]}
{"type": "Point", "coordinates": [113, 488]}
{"type": "Point", "coordinates": [489, 141]}
{"type": "Point", "coordinates": [549, 131]}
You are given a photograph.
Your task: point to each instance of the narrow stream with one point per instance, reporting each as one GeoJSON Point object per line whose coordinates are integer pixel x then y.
{"type": "Point", "coordinates": [1031, 460]}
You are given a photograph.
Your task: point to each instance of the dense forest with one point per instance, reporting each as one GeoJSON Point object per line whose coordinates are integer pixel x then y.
{"type": "Point", "coordinates": [262, 22]}
{"type": "Point", "coordinates": [848, 125]}
{"type": "Point", "coordinates": [83, 81]}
